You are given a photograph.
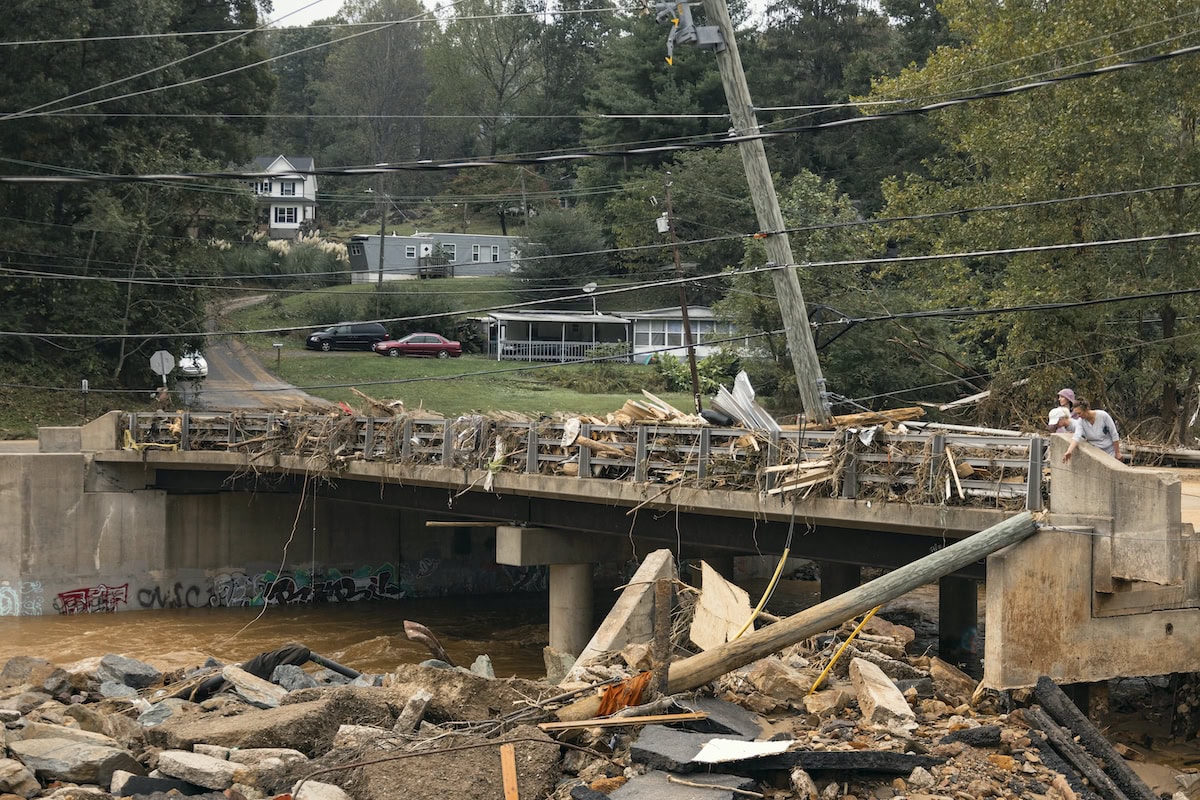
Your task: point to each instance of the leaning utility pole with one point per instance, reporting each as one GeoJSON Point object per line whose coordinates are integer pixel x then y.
{"type": "Point", "coordinates": [762, 192]}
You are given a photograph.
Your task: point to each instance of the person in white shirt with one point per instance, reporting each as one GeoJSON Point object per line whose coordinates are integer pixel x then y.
{"type": "Point", "coordinates": [1060, 415]}
{"type": "Point", "coordinates": [1096, 427]}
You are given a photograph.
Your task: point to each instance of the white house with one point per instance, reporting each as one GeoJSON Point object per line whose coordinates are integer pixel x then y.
{"type": "Point", "coordinates": [286, 196]}
{"type": "Point", "coordinates": [660, 330]}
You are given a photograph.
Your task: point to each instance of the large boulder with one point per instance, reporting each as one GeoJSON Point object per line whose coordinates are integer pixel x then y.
{"type": "Point", "coordinates": [129, 671]}
{"type": "Point", "coordinates": [41, 730]}
{"type": "Point", "coordinates": [880, 701]}
{"type": "Point", "coordinates": [305, 726]}
{"type": "Point", "coordinates": [78, 762]}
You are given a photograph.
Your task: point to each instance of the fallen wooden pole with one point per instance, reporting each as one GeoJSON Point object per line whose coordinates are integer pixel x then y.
{"type": "Point", "coordinates": [508, 771]}
{"type": "Point", "coordinates": [1074, 754]}
{"type": "Point", "coordinates": [697, 670]}
{"type": "Point", "coordinates": [1065, 713]}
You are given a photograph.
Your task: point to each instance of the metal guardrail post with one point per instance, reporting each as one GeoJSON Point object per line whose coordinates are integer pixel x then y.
{"type": "Point", "coordinates": [850, 471]}
{"type": "Point", "coordinates": [1033, 481]}
{"type": "Point", "coordinates": [641, 463]}
{"type": "Point", "coordinates": [185, 431]}
{"type": "Point", "coordinates": [705, 451]}
{"type": "Point", "coordinates": [531, 455]}
{"type": "Point", "coordinates": [231, 431]}
{"type": "Point", "coordinates": [132, 422]}
{"type": "Point", "coordinates": [368, 439]}
{"type": "Point", "coordinates": [447, 443]}
{"type": "Point", "coordinates": [772, 458]}
{"type": "Point", "coordinates": [937, 454]}
{"type": "Point", "coordinates": [585, 455]}
{"type": "Point", "coordinates": [406, 435]}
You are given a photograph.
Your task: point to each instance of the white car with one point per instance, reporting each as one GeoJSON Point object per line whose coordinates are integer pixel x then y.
{"type": "Point", "coordinates": [193, 365]}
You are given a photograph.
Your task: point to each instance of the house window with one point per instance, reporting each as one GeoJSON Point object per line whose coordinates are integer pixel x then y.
{"type": "Point", "coordinates": [674, 332]}
{"type": "Point", "coordinates": [287, 188]}
{"type": "Point", "coordinates": [262, 187]}
{"type": "Point", "coordinates": [451, 252]}
{"type": "Point", "coordinates": [495, 253]}
{"type": "Point", "coordinates": [285, 215]}
{"type": "Point", "coordinates": [356, 250]}
{"type": "Point", "coordinates": [475, 253]}
{"type": "Point", "coordinates": [410, 251]}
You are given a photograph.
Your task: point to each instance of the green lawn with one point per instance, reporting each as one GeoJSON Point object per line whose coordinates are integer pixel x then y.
{"type": "Point", "coordinates": [451, 386]}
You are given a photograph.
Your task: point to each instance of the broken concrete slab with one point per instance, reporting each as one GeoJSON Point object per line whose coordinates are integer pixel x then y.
{"type": "Point", "coordinates": [827, 702]}
{"type": "Point", "coordinates": [727, 719]}
{"type": "Point", "coordinates": [881, 703]}
{"type": "Point", "coordinates": [656, 785]}
{"type": "Point", "coordinates": [264, 757]}
{"type": "Point", "coordinates": [775, 679]}
{"type": "Point", "coordinates": [316, 790]}
{"type": "Point", "coordinates": [721, 612]}
{"type": "Point", "coordinates": [413, 713]}
{"type": "Point", "coordinates": [669, 749]}
{"type": "Point", "coordinates": [632, 616]}
{"type": "Point", "coordinates": [558, 664]}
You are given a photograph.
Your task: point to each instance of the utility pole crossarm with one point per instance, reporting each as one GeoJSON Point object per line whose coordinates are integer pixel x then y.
{"type": "Point", "coordinates": [766, 206]}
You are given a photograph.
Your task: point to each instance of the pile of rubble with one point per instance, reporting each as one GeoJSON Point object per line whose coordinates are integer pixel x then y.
{"type": "Point", "coordinates": [884, 724]}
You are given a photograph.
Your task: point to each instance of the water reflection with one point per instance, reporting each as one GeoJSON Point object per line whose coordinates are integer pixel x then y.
{"type": "Point", "coordinates": [367, 636]}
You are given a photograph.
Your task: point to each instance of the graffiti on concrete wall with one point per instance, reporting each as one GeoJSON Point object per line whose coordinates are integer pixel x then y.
{"type": "Point", "coordinates": [233, 589]}
{"type": "Point", "coordinates": [99, 599]}
{"type": "Point", "coordinates": [177, 596]}
{"type": "Point", "coordinates": [22, 599]}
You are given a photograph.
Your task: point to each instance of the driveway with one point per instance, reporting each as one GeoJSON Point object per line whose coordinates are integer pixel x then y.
{"type": "Point", "coordinates": [237, 380]}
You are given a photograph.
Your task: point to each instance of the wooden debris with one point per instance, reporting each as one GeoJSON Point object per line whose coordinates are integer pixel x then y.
{"type": "Point", "coordinates": [613, 722]}
{"type": "Point", "coordinates": [864, 418]}
{"type": "Point", "coordinates": [508, 770]}
{"type": "Point", "coordinates": [388, 408]}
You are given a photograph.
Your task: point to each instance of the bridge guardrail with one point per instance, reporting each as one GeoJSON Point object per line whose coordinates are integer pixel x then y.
{"type": "Point", "coordinates": [924, 466]}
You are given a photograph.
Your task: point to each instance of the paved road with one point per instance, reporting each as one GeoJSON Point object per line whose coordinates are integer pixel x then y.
{"type": "Point", "coordinates": [237, 380]}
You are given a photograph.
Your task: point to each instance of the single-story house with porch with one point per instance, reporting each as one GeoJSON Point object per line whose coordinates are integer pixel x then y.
{"type": "Point", "coordinates": [563, 336]}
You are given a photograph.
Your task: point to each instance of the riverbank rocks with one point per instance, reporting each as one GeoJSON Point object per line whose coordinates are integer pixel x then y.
{"type": "Point", "coordinates": [79, 762]}
{"type": "Point", "coordinates": [881, 703]}
{"type": "Point", "coordinates": [253, 689]}
{"type": "Point", "coordinates": [202, 770]}
{"type": "Point", "coordinates": [16, 778]}
{"type": "Point", "coordinates": [128, 671]}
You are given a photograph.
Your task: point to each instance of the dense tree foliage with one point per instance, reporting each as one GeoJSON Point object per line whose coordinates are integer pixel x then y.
{"type": "Point", "coordinates": [1129, 130]}
{"type": "Point", "coordinates": [114, 259]}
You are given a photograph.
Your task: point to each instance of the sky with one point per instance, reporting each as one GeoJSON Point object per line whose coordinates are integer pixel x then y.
{"type": "Point", "coordinates": [306, 10]}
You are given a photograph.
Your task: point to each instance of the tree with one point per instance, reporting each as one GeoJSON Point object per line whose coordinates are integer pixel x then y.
{"type": "Point", "coordinates": [563, 251]}
{"type": "Point", "coordinates": [486, 62]}
{"type": "Point", "coordinates": [115, 258]}
{"type": "Point", "coordinates": [1122, 131]}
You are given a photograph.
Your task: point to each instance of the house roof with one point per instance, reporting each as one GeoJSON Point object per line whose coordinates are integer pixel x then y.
{"type": "Point", "coordinates": [297, 163]}
{"type": "Point", "coordinates": [670, 312]}
{"type": "Point", "coordinates": [555, 316]}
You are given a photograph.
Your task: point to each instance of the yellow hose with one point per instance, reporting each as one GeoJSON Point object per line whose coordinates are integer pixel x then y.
{"type": "Point", "coordinates": [766, 594]}
{"type": "Point", "coordinates": [841, 649]}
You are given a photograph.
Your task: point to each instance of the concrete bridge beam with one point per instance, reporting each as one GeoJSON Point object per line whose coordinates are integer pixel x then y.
{"type": "Point", "coordinates": [570, 557]}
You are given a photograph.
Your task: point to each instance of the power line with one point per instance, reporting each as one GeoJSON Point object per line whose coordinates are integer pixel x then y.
{"type": "Point", "coordinates": [434, 166]}
{"type": "Point", "coordinates": [638, 287]}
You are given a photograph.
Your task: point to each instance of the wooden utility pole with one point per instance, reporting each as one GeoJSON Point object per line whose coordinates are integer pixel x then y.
{"type": "Point", "coordinates": [770, 220]}
{"type": "Point", "coordinates": [683, 305]}
{"type": "Point", "coordinates": [698, 670]}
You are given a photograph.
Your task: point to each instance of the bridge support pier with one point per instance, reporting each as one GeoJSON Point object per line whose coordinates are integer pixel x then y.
{"type": "Point", "coordinates": [571, 557]}
{"type": "Point", "coordinates": [837, 578]}
{"type": "Point", "coordinates": [958, 621]}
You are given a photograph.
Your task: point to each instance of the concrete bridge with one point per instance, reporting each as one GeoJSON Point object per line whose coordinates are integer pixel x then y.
{"type": "Point", "coordinates": [142, 510]}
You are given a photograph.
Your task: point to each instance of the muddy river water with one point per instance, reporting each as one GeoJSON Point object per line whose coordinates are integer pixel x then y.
{"type": "Point", "coordinates": [369, 637]}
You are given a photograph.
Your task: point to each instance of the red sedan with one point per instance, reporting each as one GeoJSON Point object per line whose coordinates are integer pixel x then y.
{"type": "Point", "coordinates": [420, 344]}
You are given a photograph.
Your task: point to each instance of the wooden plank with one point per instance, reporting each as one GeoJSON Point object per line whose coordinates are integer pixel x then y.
{"type": "Point", "coordinates": [697, 670]}
{"type": "Point", "coordinates": [614, 722]}
{"type": "Point", "coordinates": [508, 770]}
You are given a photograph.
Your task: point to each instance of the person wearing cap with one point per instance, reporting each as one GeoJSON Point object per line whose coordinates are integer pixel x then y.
{"type": "Point", "coordinates": [1096, 427]}
{"type": "Point", "coordinates": [1060, 415]}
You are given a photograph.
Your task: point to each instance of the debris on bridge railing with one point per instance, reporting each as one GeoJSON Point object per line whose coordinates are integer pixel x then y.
{"type": "Point", "coordinates": [879, 457]}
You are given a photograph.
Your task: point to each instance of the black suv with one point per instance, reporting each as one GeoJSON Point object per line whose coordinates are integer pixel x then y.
{"type": "Point", "coordinates": [347, 336]}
